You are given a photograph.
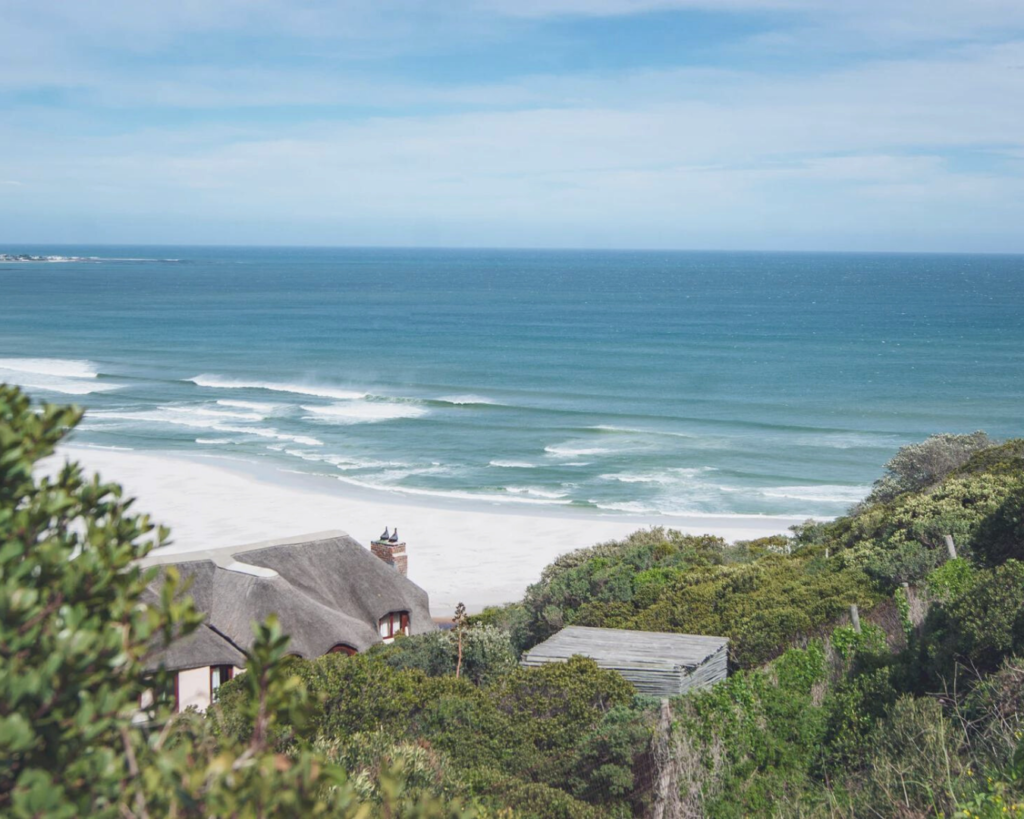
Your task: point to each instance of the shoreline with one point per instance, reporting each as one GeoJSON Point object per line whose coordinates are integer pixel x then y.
{"type": "Point", "coordinates": [479, 553]}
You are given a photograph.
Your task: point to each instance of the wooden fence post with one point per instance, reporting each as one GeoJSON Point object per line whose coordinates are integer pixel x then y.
{"type": "Point", "coordinates": [950, 546]}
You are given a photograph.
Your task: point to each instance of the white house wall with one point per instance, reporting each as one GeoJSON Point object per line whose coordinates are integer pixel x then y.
{"type": "Point", "coordinates": [194, 688]}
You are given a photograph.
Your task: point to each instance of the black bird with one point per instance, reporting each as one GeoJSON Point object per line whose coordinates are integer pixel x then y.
{"type": "Point", "coordinates": [385, 535]}
{"type": "Point", "coordinates": [394, 537]}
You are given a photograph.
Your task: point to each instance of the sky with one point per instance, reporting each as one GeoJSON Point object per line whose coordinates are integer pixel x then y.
{"type": "Point", "coordinates": [892, 125]}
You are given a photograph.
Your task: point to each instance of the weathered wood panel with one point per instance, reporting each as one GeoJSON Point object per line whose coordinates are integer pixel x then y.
{"type": "Point", "coordinates": [657, 663]}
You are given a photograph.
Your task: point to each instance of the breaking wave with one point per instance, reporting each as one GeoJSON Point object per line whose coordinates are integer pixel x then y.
{"type": "Point", "coordinates": [465, 400]}
{"type": "Point", "coordinates": [67, 376]}
{"type": "Point", "coordinates": [220, 383]}
{"type": "Point", "coordinates": [166, 415]}
{"type": "Point", "coordinates": [574, 450]}
{"type": "Point", "coordinates": [364, 412]}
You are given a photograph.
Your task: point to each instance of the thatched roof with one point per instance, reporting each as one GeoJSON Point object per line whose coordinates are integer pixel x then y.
{"type": "Point", "coordinates": [325, 588]}
{"type": "Point", "coordinates": [656, 663]}
{"type": "Point", "coordinates": [203, 647]}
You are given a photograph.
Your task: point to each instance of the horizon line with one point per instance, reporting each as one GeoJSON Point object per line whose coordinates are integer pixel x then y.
{"type": "Point", "coordinates": [515, 249]}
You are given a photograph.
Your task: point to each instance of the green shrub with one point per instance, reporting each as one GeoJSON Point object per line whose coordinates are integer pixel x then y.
{"type": "Point", "coordinates": [759, 741]}
{"type": "Point", "coordinates": [487, 653]}
{"type": "Point", "coordinates": [916, 762]}
{"type": "Point", "coordinates": [952, 579]}
{"type": "Point", "coordinates": [761, 607]}
{"type": "Point", "coordinates": [892, 566]}
{"type": "Point", "coordinates": [604, 762]}
{"type": "Point", "coordinates": [983, 624]}
{"type": "Point", "coordinates": [531, 800]}
{"type": "Point", "coordinates": [1000, 537]}
{"type": "Point", "coordinates": [852, 707]}
{"type": "Point", "coordinates": [849, 643]}
{"type": "Point", "coordinates": [1003, 459]}
{"type": "Point", "coordinates": [799, 670]}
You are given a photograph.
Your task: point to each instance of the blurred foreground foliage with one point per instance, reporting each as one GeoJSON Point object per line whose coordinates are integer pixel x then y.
{"type": "Point", "coordinates": [76, 627]}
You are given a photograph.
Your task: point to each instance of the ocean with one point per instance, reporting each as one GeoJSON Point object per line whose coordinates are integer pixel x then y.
{"type": "Point", "coordinates": [670, 383]}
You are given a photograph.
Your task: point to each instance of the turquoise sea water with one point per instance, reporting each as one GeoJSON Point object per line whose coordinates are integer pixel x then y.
{"type": "Point", "coordinates": [615, 381]}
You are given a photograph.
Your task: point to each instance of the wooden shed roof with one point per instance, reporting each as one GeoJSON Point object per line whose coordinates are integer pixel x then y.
{"type": "Point", "coordinates": [657, 663]}
{"type": "Point", "coordinates": [613, 647]}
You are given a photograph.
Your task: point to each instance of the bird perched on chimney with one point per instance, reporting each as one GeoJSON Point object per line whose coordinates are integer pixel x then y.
{"type": "Point", "coordinates": [394, 536]}
{"type": "Point", "coordinates": [384, 537]}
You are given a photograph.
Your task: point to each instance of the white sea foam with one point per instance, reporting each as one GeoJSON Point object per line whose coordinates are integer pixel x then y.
{"type": "Point", "coordinates": [535, 492]}
{"type": "Point", "coordinates": [306, 456]}
{"type": "Point", "coordinates": [667, 477]}
{"type": "Point", "coordinates": [215, 441]}
{"type": "Point", "coordinates": [633, 431]}
{"type": "Point", "coordinates": [570, 450]}
{"type": "Point", "coordinates": [513, 464]}
{"type": "Point", "coordinates": [212, 413]}
{"type": "Point", "coordinates": [632, 507]}
{"type": "Point", "coordinates": [847, 440]}
{"type": "Point", "coordinates": [61, 367]}
{"type": "Point", "coordinates": [451, 494]}
{"type": "Point", "coordinates": [394, 475]}
{"type": "Point", "coordinates": [65, 386]}
{"type": "Point", "coordinates": [830, 493]}
{"type": "Point", "coordinates": [67, 376]}
{"type": "Point", "coordinates": [166, 415]}
{"type": "Point", "coordinates": [466, 399]}
{"type": "Point", "coordinates": [345, 463]}
{"type": "Point", "coordinates": [221, 383]}
{"type": "Point", "coordinates": [256, 406]}
{"type": "Point", "coordinates": [364, 412]}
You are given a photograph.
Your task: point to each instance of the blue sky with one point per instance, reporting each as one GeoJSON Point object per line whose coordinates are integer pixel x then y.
{"type": "Point", "coordinates": [737, 124]}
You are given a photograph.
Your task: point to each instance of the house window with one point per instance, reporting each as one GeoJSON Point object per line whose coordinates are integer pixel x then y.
{"type": "Point", "coordinates": [220, 674]}
{"type": "Point", "coordinates": [393, 624]}
{"type": "Point", "coordinates": [341, 648]}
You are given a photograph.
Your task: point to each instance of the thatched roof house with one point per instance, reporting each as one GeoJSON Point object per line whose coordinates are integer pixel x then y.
{"type": "Point", "coordinates": [329, 593]}
{"type": "Point", "coordinates": [657, 663]}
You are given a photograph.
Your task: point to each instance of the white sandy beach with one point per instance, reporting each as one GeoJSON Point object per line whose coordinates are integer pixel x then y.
{"type": "Point", "coordinates": [480, 554]}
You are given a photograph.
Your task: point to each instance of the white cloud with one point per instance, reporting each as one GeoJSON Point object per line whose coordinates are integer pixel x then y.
{"type": "Point", "coordinates": [691, 156]}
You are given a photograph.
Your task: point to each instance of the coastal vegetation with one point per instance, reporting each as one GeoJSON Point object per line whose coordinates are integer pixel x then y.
{"type": "Point", "coordinates": [914, 709]}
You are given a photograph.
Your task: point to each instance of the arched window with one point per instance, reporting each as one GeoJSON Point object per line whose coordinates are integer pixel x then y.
{"type": "Point", "coordinates": [341, 648]}
{"type": "Point", "coordinates": [394, 623]}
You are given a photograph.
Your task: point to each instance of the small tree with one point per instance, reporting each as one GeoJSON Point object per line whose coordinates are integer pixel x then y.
{"type": "Point", "coordinates": [917, 466]}
{"type": "Point", "coordinates": [460, 625]}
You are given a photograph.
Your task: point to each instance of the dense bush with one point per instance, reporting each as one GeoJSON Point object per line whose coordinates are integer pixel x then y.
{"type": "Point", "coordinates": [570, 727]}
{"type": "Point", "coordinates": [756, 740]}
{"type": "Point", "coordinates": [487, 653]}
{"type": "Point", "coordinates": [982, 625]}
{"type": "Point", "coordinates": [761, 607]}
{"type": "Point", "coordinates": [1000, 536]}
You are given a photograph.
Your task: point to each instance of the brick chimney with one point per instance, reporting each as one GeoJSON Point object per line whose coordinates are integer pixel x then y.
{"type": "Point", "coordinates": [391, 553]}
